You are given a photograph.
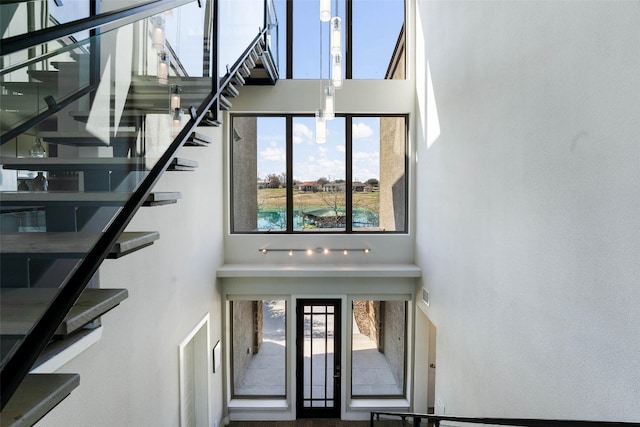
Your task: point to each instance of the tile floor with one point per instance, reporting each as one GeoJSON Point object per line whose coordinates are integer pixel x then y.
{"type": "Point", "coordinates": [266, 372]}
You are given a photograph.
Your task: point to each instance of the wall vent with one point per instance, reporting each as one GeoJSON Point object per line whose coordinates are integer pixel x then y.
{"type": "Point", "coordinates": [425, 296]}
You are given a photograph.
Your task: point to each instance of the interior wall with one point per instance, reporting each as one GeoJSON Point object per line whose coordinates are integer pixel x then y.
{"type": "Point", "coordinates": [529, 205]}
{"type": "Point", "coordinates": [131, 376]}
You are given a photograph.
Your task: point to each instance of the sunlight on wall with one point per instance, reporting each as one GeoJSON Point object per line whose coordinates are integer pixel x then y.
{"type": "Point", "coordinates": [433, 122]}
{"type": "Point", "coordinates": [98, 121]}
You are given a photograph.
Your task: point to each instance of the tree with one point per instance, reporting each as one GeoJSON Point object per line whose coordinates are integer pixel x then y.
{"type": "Point", "coordinates": [372, 182]}
{"type": "Point", "coordinates": [322, 181]}
{"type": "Point", "coordinates": [275, 180]}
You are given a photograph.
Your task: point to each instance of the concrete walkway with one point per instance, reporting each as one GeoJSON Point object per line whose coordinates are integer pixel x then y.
{"type": "Point", "coordinates": [265, 375]}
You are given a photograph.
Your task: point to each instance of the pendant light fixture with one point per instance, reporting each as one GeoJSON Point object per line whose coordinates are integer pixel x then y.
{"type": "Point", "coordinates": [157, 35]}
{"type": "Point", "coordinates": [176, 109]}
{"type": "Point", "coordinates": [329, 111]}
{"type": "Point", "coordinates": [336, 35]}
{"type": "Point", "coordinates": [321, 127]}
{"type": "Point", "coordinates": [163, 68]}
{"type": "Point", "coordinates": [336, 70]}
{"type": "Point", "coordinates": [325, 10]}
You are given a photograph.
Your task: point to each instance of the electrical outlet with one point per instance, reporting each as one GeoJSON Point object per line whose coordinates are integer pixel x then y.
{"type": "Point", "coordinates": [441, 407]}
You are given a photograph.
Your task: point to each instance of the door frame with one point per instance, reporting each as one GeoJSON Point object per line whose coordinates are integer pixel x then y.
{"type": "Point", "coordinates": [335, 411]}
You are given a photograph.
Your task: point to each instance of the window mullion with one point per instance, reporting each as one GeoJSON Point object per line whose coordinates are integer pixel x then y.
{"type": "Point", "coordinates": [348, 40]}
{"type": "Point", "coordinates": [349, 174]}
{"type": "Point", "coordinates": [289, 172]}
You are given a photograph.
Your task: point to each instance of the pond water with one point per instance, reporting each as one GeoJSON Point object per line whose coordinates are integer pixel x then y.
{"type": "Point", "coordinates": [277, 220]}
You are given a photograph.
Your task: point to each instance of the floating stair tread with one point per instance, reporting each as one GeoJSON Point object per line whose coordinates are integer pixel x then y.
{"type": "Point", "coordinates": [190, 85]}
{"type": "Point", "coordinates": [244, 70]}
{"type": "Point", "coordinates": [68, 198]}
{"type": "Point", "coordinates": [22, 307]}
{"type": "Point", "coordinates": [83, 139]}
{"type": "Point", "coordinates": [184, 162]}
{"type": "Point", "coordinates": [238, 79]}
{"type": "Point", "coordinates": [231, 91]}
{"type": "Point", "coordinates": [199, 139]}
{"type": "Point", "coordinates": [83, 163]}
{"type": "Point", "coordinates": [72, 245]}
{"type": "Point", "coordinates": [45, 76]}
{"type": "Point", "coordinates": [72, 163]}
{"type": "Point", "coordinates": [36, 396]}
{"type": "Point", "coordinates": [29, 88]}
{"type": "Point", "coordinates": [225, 104]}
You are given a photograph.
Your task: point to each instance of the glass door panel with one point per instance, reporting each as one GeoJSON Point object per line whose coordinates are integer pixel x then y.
{"type": "Point", "coordinates": [318, 341]}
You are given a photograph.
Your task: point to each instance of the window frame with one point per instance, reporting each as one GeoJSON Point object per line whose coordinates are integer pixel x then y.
{"type": "Point", "coordinates": [405, 356]}
{"type": "Point", "coordinates": [348, 174]}
{"type": "Point", "coordinates": [232, 388]}
{"type": "Point", "coordinates": [348, 39]}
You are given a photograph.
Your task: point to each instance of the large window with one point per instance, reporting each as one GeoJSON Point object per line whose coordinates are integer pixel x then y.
{"type": "Point", "coordinates": [283, 181]}
{"type": "Point", "coordinates": [378, 348]}
{"type": "Point", "coordinates": [258, 344]}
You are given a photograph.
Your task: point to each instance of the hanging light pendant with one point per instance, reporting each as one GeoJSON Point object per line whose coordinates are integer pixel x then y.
{"type": "Point", "coordinates": [176, 108]}
{"type": "Point", "coordinates": [329, 103]}
{"type": "Point", "coordinates": [175, 96]}
{"type": "Point", "coordinates": [336, 70]}
{"type": "Point", "coordinates": [321, 127]}
{"type": "Point", "coordinates": [336, 35]}
{"type": "Point", "coordinates": [325, 10]}
{"type": "Point", "coordinates": [163, 68]}
{"type": "Point", "coordinates": [157, 36]}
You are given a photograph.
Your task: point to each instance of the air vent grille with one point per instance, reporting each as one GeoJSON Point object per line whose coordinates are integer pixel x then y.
{"type": "Point", "coordinates": [425, 296]}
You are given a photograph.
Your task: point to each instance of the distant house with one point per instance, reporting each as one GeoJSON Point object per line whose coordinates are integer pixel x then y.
{"type": "Point", "coordinates": [337, 187]}
{"type": "Point", "coordinates": [262, 184]}
{"type": "Point", "coordinates": [309, 186]}
{"type": "Point", "coordinates": [334, 187]}
{"type": "Point", "coordinates": [359, 187]}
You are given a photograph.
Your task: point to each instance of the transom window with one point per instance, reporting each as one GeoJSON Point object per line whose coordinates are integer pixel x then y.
{"type": "Point", "coordinates": [283, 181]}
{"type": "Point", "coordinates": [372, 33]}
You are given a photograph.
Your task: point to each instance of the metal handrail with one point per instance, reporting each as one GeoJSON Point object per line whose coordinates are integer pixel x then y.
{"type": "Point", "coordinates": [122, 16]}
{"type": "Point", "coordinates": [516, 422]}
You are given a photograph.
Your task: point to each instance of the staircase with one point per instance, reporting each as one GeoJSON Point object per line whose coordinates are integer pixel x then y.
{"type": "Point", "coordinates": [86, 132]}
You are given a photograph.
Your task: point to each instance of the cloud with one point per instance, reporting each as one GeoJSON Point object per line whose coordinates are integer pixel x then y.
{"type": "Point", "coordinates": [273, 154]}
{"type": "Point", "coordinates": [301, 133]}
{"type": "Point", "coordinates": [367, 156]}
{"type": "Point", "coordinates": [341, 148]}
{"type": "Point", "coordinates": [361, 130]}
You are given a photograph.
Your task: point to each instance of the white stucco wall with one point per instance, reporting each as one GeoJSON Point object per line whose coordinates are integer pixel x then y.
{"type": "Point", "coordinates": [130, 377]}
{"type": "Point", "coordinates": [529, 205]}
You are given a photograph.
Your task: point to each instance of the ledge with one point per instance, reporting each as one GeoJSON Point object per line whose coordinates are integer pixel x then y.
{"type": "Point", "coordinates": [378, 404]}
{"type": "Point", "coordinates": [258, 404]}
{"type": "Point", "coordinates": [328, 270]}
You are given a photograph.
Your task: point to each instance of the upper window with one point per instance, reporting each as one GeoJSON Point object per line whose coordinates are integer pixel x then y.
{"type": "Point", "coordinates": [283, 181]}
{"type": "Point", "coordinates": [372, 34]}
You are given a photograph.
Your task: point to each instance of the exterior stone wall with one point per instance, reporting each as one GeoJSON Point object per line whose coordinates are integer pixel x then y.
{"type": "Point", "coordinates": [394, 337]}
{"type": "Point", "coordinates": [243, 338]}
{"type": "Point", "coordinates": [245, 173]}
{"type": "Point", "coordinates": [392, 173]}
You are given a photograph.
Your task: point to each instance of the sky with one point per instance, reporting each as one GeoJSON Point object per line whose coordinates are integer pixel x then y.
{"type": "Point", "coordinates": [376, 26]}
{"type": "Point", "coordinates": [311, 160]}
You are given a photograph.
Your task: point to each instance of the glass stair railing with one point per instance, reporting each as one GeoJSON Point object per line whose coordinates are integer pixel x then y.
{"type": "Point", "coordinates": [87, 127]}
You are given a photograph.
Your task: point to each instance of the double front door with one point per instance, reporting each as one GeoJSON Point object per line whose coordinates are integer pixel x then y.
{"type": "Point", "coordinates": [318, 358]}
